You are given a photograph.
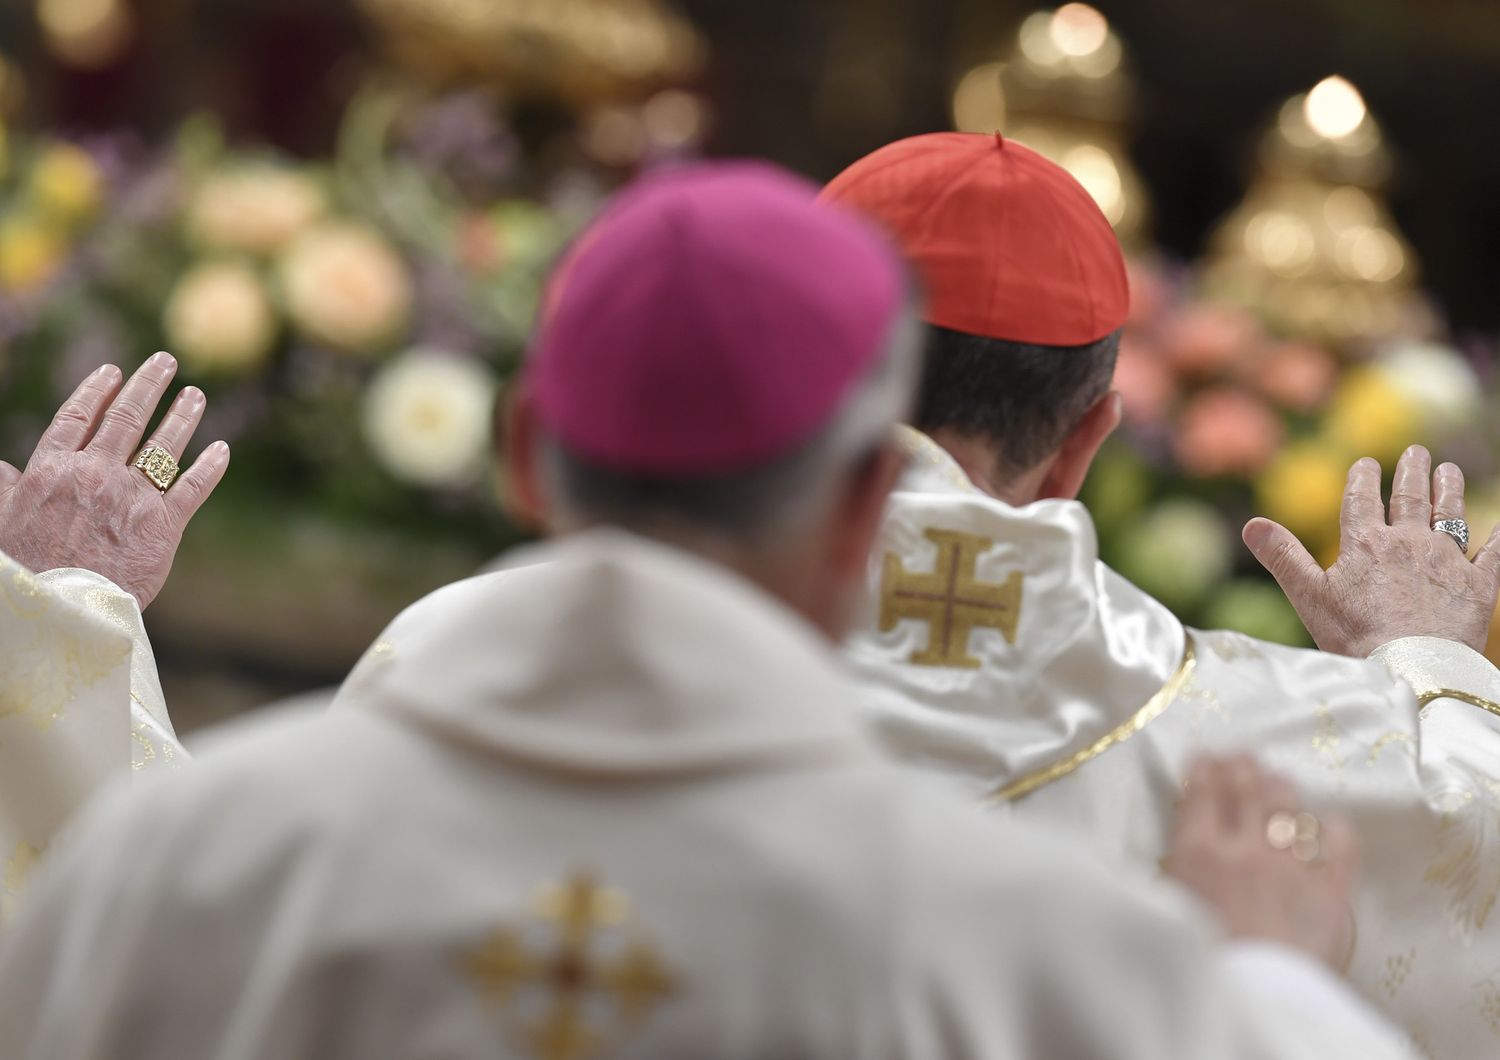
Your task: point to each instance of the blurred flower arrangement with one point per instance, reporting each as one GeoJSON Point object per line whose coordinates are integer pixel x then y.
{"type": "Point", "coordinates": [1224, 420]}
{"type": "Point", "coordinates": [350, 319]}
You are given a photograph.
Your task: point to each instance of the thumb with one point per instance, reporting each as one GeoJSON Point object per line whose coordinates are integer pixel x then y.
{"type": "Point", "coordinates": [1488, 559]}
{"type": "Point", "coordinates": [9, 476]}
{"type": "Point", "coordinates": [1279, 551]}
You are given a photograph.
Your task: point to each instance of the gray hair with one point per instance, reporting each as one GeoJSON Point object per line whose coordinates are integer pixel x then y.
{"type": "Point", "coordinates": [757, 507]}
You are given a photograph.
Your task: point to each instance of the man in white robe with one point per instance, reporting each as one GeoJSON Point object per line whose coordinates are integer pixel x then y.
{"type": "Point", "coordinates": [90, 540]}
{"type": "Point", "coordinates": [614, 801]}
{"type": "Point", "coordinates": [999, 652]}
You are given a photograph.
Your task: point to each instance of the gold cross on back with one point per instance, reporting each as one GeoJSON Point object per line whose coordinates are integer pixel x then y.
{"type": "Point", "coordinates": [571, 974]}
{"type": "Point", "coordinates": [951, 599]}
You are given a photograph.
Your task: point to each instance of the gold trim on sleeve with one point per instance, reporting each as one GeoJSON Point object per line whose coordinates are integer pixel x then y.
{"type": "Point", "coordinates": [1426, 698]}
{"type": "Point", "coordinates": [1155, 706]}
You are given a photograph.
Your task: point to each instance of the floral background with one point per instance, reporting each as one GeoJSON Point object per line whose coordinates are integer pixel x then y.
{"type": "Point", "coordinates": [354, 306]}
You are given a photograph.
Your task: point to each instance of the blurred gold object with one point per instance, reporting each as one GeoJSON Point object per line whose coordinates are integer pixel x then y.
{"type": "Point", "coordinates": [86, 33]}
{"type": "Point", "coordinates": [581, 51]}
{"type": "Point", "coordinates": [1313, 247]}
{"type": "Point", "coordinates": [1065, 91]}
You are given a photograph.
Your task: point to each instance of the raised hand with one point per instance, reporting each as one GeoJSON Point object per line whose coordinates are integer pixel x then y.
{"type": "Point", "coordinates": [1395, 577]}
{"type": "Point", "coordinates": [80, 503]}
{"type": "Point", "coordinates": [1270, 870]}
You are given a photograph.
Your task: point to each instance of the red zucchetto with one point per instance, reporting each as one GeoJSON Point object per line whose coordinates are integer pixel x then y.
{"type": "Point", "coordinates": [1008, 245]}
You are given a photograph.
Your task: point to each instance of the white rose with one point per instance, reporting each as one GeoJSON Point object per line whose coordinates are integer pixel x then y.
{"type": "Point", "coordinates": [345, 286]}
{"type": "Point", "coordinates": [256, 210]}
{"type": "Point", "coordinates": [219, 318]}
{"type": "Point", "coordinates": [427, 418]}
{"type": "Point", "coordinates": [1437, 380]}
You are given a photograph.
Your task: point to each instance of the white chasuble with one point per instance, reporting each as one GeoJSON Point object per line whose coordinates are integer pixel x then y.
{"type": "Point", "coordinates": [1000, 653]}
{"type": "Point", "coordinates": [80, 705]}
{"type": "Point", "coordinates": [614, 803]}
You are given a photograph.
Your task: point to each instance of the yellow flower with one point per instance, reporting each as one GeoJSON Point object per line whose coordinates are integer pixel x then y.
{"type": "Point", "coordinates": [66, 183]}
{"type": "Point", "coordinates": [256, 210]}
{"type": "Point", "coordinates": [30, 255]}
{"type": "Point", "coordinates": [219, 318]}
{"type": "Point", "coordinates": [1370, 416]}
{"type": "Point", "coordinates": [1303, 490]}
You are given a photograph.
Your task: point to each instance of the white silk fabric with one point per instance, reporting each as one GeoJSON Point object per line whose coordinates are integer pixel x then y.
{"type": "Point", "coordinates": [1087, 721]}
{"type": "Point", "coordinates": [614, 803]}
{"type": "Point", "coordinates": [80, 705]}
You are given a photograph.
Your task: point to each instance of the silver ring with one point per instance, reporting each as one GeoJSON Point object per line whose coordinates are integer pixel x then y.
{"type": "Point", "coordinates": [1456, 529]}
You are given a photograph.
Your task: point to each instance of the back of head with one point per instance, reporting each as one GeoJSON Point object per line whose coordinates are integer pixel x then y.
{"type": "Point", "coordinates": [1025, 284]}
{"type": "Point", "coordinates": [719, 354]}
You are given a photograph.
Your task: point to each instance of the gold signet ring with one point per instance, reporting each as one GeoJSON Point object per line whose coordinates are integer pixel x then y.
{"type": "Point", "coordinates": [157, 465]}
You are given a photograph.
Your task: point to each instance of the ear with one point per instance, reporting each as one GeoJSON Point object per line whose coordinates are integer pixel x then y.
{"type": "Point", "coordinates": [1070, 466]}
{"type": "Point", "coordinates": [862, 511]}
{"type": "Point", "coordinates": [517, 435]}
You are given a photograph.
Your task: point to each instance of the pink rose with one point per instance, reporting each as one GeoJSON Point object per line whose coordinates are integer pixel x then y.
{"type": "Point", "coordinates": [1150, 293]}
{"type": "Point", "coordinates": [1297, 375]}
{"type": "Point", "coordinates": [1225, 432]}
{"type": "Point", "coordinates": [1145, 382]}
{"type": "Point", "coordinates": [1209, 338]}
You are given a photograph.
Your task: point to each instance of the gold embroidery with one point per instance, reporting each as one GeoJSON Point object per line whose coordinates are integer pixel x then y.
{"type": "Point", "coordinates": [1232, 647]}
{"type": "Point", "coordinates": [145, 752]}
{"type": "Point", "coordinates": [48, 654]}
{"type": "Point", "coordinates": [1466, 864]}
{"type": "Point", "coordinates": [566, 985]}
{"type": "Point", "coordinates": [951, 600]}
{"type": "Point", "coordinates": [1427, 698]}
{"type": "Point", "coordinates": [1398, 736]}
{"type": "Point", "coordinates": [1327, 739]}
{"type": "Point", "coordinates": [1206, 704]}
{"type": "Point", "coordinates": [1397, 970]}
{"type": "Point", "coordinates": [17, 870]}
{"type": "Point", "coordinates": [1489, 1004]}
{"type": "Point", "coordinates": [1153, 709]}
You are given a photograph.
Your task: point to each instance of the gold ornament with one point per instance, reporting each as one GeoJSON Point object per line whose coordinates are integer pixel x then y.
{"type": "Point", "coordinates": [582, 51]}
{"type": "Point", "coordinates": [1064, 91]}
{"type": "Point", "coordinates": [1313, 247]}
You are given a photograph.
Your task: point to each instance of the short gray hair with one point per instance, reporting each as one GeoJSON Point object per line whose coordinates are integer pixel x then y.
{"type": "Point", "coordinates": [755, 507]}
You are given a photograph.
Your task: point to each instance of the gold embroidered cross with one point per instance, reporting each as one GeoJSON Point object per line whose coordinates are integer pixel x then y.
{"type": "Point", "coordinates": [572, 975]}
{"type": "Point", "coordinates": [951, 600]}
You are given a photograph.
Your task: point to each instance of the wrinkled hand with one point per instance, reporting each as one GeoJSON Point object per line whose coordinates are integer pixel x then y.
{"type": "Point", "coordinates": [1392, 579]}
{"type": "Point", "coordinates": [1222, 853]}
{"type": "Point", "coordinates": [79, 503]}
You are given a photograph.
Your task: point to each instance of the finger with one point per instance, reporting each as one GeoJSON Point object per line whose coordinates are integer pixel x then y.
{"type": "Point", "coordinates": [1198, 816]}
{"type": "Point", "coordinates": [1278, 795]}
{"type": "Point", "coordinates": [194, 486]}
{"type": "Point", "coordinates": [1279, 551]}
{"type": "Point", "coordinates": [1338, 843]}
{"type": "Point", "coordinates": [1362, 510]}
{"type": "Point", "coordinates": [1244, 802]}
{"type": "Point", "coordinates": [1488, 559]}
{"type": "Point", "coordinates": [75, 422]}
{"type": "Point", "coordinates": [1448, 493]}
{"type": "Point", "coordinates": [120, 430]}
{"type": "Point", "coordinates": [182, 419]}
{"type": "Point", "coordinates": [1411, 490]}
{"type": "Point", "coordinates": [9, 476]}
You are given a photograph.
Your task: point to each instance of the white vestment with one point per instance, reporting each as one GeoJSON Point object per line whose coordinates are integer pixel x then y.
{"type": "Point", "coordinates": [80, 704]}
{"type": "Point", "coordinates": [1001, 653]}
{"type": "Point", "coordinates": [617, 804]}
